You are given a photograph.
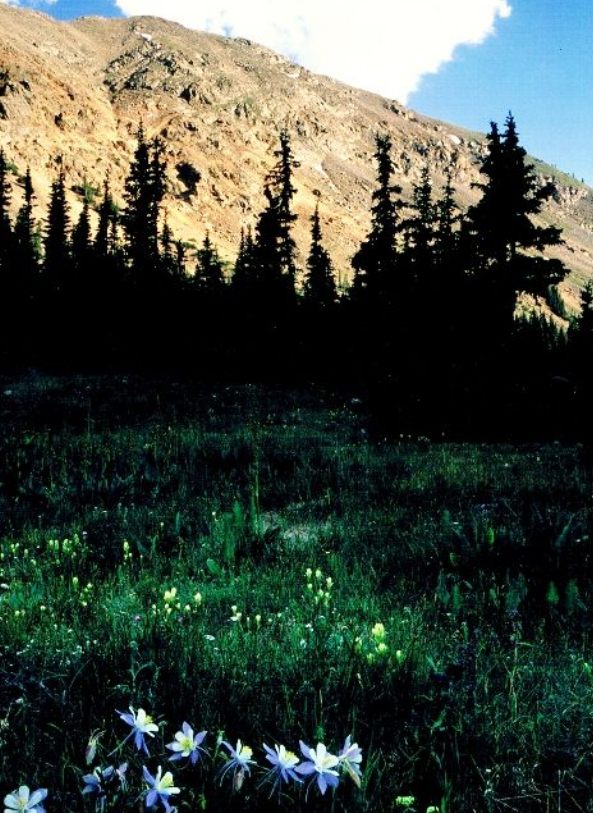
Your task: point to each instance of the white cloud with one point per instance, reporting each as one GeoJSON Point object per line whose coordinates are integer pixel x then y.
{"type": "Point", "coordinates": [381, 45]}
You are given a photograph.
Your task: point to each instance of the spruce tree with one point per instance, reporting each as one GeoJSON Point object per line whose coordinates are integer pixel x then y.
{"type": "Point", "coordinates": [6, 245]}
{"type": "Point", "coordinates": [503, 236]}
{"type": "Point", "coordinates": [82, 244]}
{"type": "Point", "coordinates": [244, 279]}
{"type": "Point", "coordinates": [319, 288]}
{"type": "Point", "coordinates": [25, 229]}
{"type": "Point", "coordinates": [105, 242]}
{"type": "Point", "coordinates": [280, 181]}
{"type": "Point", "coordinates": [209, 275]}
{"type": "Point", "coordinates": [447, 216]}
{"type": "Point", "coordinates": [57, 262]}
{"type": "Point", "coordinates": [274, 248]}
{"type": "Point", "coordinates": [376, 262]}
{"type": "Point", "coordinates": [144, 191]}
{"type": "Point", "coordinates": [420, 229]}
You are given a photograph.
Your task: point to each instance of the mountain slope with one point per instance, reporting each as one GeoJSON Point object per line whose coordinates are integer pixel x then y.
{"type": "Point", "coordinates": [79, 90]}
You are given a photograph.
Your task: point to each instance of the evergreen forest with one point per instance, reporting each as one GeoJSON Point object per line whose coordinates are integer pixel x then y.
{"type": "Point", "coordinates": [428, 329]}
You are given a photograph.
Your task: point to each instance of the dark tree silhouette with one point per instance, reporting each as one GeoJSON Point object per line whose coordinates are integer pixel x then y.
{"type": "Point", "coordinates": [273, 253]}
{"type": "Point", "coordinates": [420, 230]}
{"type": "Point", "coordinates": [6, 246]}
{"type": "Point", "coordinates": [376, 262]}
{"type": "Point", "coordinates": [28, 248]}
{"type": "Point", "coordinates": [82, 244]}
{"type": "Point", "coordinates": [280, 183]}
{"type": "Point", "coordinates": [106, 235]}
{"type": "Point", "coordinates": [144, 191]}
{"type": "Point", "coordinates": [319, 286]}
{"type": "Point", "coordinates": [57, 261]}
{"type": "Point", "coordinates": [209, 278]}
{"type": "Point", "coordinates": [503, 235]}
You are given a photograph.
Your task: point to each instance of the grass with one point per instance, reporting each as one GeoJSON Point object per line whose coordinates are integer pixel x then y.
{"type": "Point", "coordinates": [249, 561]}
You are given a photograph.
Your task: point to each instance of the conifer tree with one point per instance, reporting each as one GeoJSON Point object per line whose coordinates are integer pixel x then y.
{"type": "Point", "coordinates": [105, 242]}
{"type": "Point", "coordinates": [144, 191]}
{"type": "Point", "coordinates": [274, 248]}
{"type": "Point", "coordinates": [6, 247]}
{"type": "Point", "coordinates": [180, 256]}
{"type": "Point", "coordinates": [280, 181]}
{"type": "Point", "coordinates": [420, 229]}
{"type": "Point", "coordinates": [446, 242]}
{"type": "Point", "coordinates": [319, 288]}
{"type": "Point", "coordinates": [503, 235]}
{"type": "Point", "coordinates": [375, 263]}
{"type": "Point", "coordinates": [244, 279]}
{"type": "Point", "coordinates": [57, 262]}
{"type": "Point", "coordinates": [209, 275]}
{"type": "Point", "coordinates": [25, 230]}
{"type": "Point", "coordinates": [168, 253]}
{"type": "Point", "coordinates": [82, 243]}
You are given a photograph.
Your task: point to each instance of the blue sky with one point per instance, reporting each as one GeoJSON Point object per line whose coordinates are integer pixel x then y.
{"type": "Point", "coordinates": [464, 61]}
{"type": "Point", "coordinates": [539, 64]}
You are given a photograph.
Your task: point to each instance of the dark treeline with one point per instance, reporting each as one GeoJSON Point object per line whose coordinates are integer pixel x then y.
{"type": "Point", "coordinates": [428, 328]}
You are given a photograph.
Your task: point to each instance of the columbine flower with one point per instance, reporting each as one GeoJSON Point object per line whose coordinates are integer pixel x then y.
{"type": "Point", "coordinates": [283, 765]}
{"type": "Point", "coordinates": [141, 724]}
{"type": "Point", "coordinates": [239, 762]}
{"type": "Point", "coordinates": [91, 749]}
{"type": "Point", "coordinates": [187, 745]}
{"type": "Point", "coordinates": [350, 758]}
{"type": "Point", "coordinates": [120, 773]}
{"type": "Point", "coordinates": [23, 799]}
{"type": "Point", "coordinates": [92, 781]}
{"type": "Point", "coordinates": [161, 787]}
{"type": "Point", "coordinates": [319, 762]}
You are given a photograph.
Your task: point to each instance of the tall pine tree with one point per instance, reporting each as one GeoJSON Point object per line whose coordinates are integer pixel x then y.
{"type": "Point", "coordinates": [376, 262]}
{"type": "Point", "coordinates": [57, 260]}
{"type": "Point", "coordinates": [319, 287]}
{"type": "Point", "coordinates": [506, 245]}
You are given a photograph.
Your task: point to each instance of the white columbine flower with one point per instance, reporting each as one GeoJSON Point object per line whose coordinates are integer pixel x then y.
{"type": "Point", "coordinates": [23, 799]}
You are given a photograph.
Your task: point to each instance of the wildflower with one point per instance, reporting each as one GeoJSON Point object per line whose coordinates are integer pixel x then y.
{"type": "Point", "coordinates": [142, 724]}
{"type": "Point", "coordinates": [91, 749]}
{"type": "Point", "coordinates": [121, 775]}
{"type": "Point", "coordinates": [239, 762]}
{"type": "Point", "coordinates": [161, 787]}
{"type": "Point", "coordinates": [378, 631]}
{"type": "Point", "coordinates": [350, 758]}
{"type": "Point", "coordinates": [23, 799]}
{"type": "Point", "coordinates": [92, 781]}
{"type": "Point", "coordinates": [283, 765]}
{"type": "Point", "coordinates": [186, 744]}
{"type": "Point", "coordinates": [319, 762]}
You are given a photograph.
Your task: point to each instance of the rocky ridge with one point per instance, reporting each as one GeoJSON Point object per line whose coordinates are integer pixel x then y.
{"type": "Point", "coordinates": [76, 93]}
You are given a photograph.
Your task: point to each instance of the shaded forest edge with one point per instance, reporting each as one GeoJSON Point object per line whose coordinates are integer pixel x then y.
{"type": "Point", "coordinates": [428, 329]}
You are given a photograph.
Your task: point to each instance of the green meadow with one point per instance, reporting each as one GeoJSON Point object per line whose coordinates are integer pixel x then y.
{"type": "Point", "coordinates": [256, 564]}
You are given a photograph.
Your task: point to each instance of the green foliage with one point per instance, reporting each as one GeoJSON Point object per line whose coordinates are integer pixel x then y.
{"type": "Point", "coordinates": [246, 561]}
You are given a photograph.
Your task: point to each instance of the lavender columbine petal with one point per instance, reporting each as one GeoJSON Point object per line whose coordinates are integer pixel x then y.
{"type": "Point", "coordinates": [305, 768]}
{"type": "Point", "coordinates": [38, 796]}
{"type": "Point", "coordinates": [305, 750]}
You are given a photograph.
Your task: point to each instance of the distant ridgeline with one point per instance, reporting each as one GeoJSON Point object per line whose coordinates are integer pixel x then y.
{"type": "Point", "coordinates": [428, 327]}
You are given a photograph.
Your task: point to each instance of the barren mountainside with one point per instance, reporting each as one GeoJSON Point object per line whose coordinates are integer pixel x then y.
{"type": "Point", "coordinates": [79, 90]}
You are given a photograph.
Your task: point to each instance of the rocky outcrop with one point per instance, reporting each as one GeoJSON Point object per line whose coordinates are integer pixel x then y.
{"type": "Point", "coordinates": [80, 90]}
